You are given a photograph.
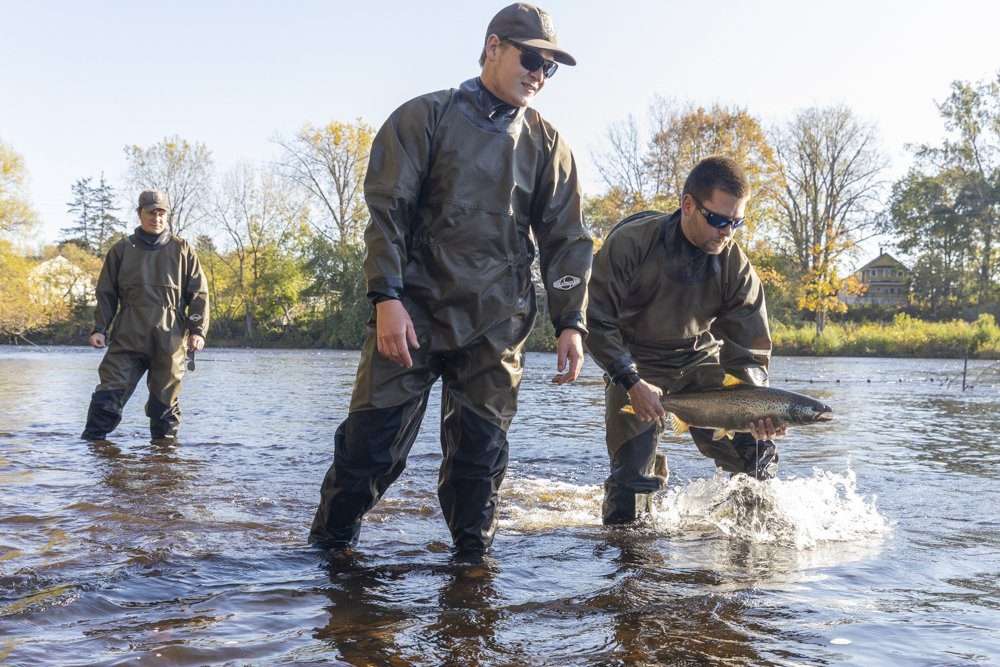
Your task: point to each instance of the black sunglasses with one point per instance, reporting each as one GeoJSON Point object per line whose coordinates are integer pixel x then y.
{"type": "Point", "coordinates": [716, 220]}
{"type": "Point", "coordinates": [533, 61]}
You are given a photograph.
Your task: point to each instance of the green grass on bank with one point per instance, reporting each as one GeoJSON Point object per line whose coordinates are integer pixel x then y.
{"type": "Point", "coordinates": [903, 337]}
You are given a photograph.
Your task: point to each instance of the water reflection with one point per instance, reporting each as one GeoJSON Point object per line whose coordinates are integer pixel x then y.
{"type": "Point", "coordinates": [365, 621]}
{"type": "Point", "coordinates": [465, 631]}
{"type": "Point", "coordinates": [660, 614]}
{"type": "Point", "coordinates": [147, 480]}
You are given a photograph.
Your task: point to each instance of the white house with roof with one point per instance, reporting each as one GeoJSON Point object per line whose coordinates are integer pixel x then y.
{"type": "Point", "coordinates": [58, 279]}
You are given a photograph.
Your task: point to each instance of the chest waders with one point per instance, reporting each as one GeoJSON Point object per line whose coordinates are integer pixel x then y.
{"type": "Point", "coordinates": [467, 287]}
{"type": "Point", "coordinates": [671, 318]}
{"type": "Point", "coordinates": [148, 336]}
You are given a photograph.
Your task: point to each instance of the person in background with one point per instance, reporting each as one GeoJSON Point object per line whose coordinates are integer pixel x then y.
{"type": "Point", "coordinates": [152, 303]}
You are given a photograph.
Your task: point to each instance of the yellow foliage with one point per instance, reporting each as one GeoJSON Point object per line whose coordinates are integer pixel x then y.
{"type": "Point", "coordinates": [15, 211]}
{"type": "Point", "coordinates": [19, 313]}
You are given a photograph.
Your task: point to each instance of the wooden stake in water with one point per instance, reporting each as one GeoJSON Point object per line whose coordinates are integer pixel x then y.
{"type": "Point", "coordinates": [965, 368]}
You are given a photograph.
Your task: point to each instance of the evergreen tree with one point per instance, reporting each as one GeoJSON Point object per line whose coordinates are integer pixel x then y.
{"type": "Point", "coordinates": [94, 226]}
{"type": "Point", "coordinates": [82, 207]}
{"type": "Point", "coordinates": [109, 227]}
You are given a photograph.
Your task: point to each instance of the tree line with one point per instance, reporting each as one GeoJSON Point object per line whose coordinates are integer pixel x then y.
{"type": "Point", "coordinates": [281, 241]}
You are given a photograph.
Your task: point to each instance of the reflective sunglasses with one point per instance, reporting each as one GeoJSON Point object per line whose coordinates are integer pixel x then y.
{"type": "Point", "coordinates": [716, 220]}
{"type": "Point", "coordinates": [533, 61]}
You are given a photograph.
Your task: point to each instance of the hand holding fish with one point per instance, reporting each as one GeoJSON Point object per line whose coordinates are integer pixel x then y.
{"type": "Point", "coordinates": [646, 399]}
{"type": "Point", "coordinates": [765, 429]}
{"type": "Point", "coordinates": [763, 412]}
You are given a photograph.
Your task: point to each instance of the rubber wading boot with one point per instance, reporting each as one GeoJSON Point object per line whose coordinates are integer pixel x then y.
{"type": "Point", "coordinates": [644, 501]}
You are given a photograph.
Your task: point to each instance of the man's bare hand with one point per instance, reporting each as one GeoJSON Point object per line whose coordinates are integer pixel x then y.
{"type": "Point", "coordinates": [569, 356]}
{"type": "Point", "coordinates": [394, 332]}
{"type": "Point", "coordinates": [645, 400]}
{"type": "Point", "coordinates": [764, 429]}
{"type": "Point", "coordinates": [196, 343]}
{"type": "Point", "coordinates": [97, 340]}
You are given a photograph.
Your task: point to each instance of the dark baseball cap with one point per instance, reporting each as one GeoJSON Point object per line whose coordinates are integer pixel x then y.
{"type": "Point", "coordinates": [526, 24]}
{"type": "Point", "coordinates": [153, 199]}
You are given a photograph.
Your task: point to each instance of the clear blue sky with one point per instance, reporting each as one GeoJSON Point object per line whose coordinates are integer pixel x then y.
{"type": "Point", "coordinates": [79, 80]}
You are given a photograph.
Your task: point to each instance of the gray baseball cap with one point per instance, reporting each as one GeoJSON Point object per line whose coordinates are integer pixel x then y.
{"type": "Point", "coordinates": [154, 199]}
{"type": "Point", "coordinates": [526, 24]}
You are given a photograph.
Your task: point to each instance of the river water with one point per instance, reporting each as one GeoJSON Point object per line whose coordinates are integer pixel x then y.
{"type": "Point", "coordinates": [879, 543]}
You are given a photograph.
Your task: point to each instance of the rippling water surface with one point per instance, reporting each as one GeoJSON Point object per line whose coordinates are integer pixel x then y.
{"type": "Point", "coordinates": [879, 544]}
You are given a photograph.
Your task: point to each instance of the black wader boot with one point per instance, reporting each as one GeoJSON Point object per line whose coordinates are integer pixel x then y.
{"type": "Point", "coordinates": [636, 471]}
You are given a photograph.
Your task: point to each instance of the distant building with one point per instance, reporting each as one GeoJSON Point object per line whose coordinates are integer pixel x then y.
{"type": "Point", "coordinates": [60, 280]}
{"type": "Point", "coordinates": [887, 280]}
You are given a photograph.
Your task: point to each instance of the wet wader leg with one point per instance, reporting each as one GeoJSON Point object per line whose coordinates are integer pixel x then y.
{"type": "Point", "coordinates": [166, 370]}
{"type": "Point", "coordinates": [475, 461]}
{"type": "Point", "coordinates": [478, 405]}
{"type": "Point", "coordinates": [370, 450]}
{"type": "Point", "coordinates": [119, 373]}
{"type": "Point", "coordinates": [632, 450]}
{"type": "Point", "coordinates": [742, 453]}
{"type": "Point", "coordinates": [371, 445]}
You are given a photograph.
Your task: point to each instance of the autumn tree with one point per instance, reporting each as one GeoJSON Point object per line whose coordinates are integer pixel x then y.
{"type": "Point", "coordinates": [15, 211]}
{"type": "Point", "coordinates": [648, 170]}
{"type": "Point", "coordinates": [329, 163]}
{"type": "Point", "coordinates": [19, 313]}
{"type": "Point", "coordinates": [827, 194]}
{"type": "Point", "coordinates": [259, 215]}
{"type": "Point", "coordinates": [178, 167]}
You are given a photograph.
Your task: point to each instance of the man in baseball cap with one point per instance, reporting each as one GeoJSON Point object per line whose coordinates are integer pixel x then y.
{"type": "Point", "coordinates": [153, 199]}
{"type": "Point", "coordinates": [459, 184]}
{"type": "Point", "coordinates": [527, 25]}
{"type": "Point", "coordinates": [149, 317]}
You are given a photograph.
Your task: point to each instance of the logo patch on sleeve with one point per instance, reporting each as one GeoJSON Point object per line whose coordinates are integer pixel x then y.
{"type": "Point", "coordinates": [567, 282]}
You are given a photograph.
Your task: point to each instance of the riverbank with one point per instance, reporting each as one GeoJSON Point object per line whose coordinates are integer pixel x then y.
{"type": "Point", "coordinates": [903, 337]}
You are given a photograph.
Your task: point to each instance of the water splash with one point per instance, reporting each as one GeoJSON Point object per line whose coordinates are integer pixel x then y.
{"type": "Point", "coordinates": [536, 504]}
{"type": "Point", "coordinates": [799, 511]}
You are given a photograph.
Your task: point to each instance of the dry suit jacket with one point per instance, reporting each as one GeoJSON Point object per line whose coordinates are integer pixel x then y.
{"type": "Point", "coordinates": [151, 291]}
{"type": "Point", "coordinates": [455, 197]}
{"type": "Point", "coordinates": [662, 307]}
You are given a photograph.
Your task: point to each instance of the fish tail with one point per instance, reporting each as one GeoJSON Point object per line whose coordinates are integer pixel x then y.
{"type": "Point", "coordinates": [680, 426]}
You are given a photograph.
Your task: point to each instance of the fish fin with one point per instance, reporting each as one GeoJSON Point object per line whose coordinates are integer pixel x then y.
{"type": "Point", "coordinates": [731, 381]}
{"type": "Point", "coordinates": [722, 434]}
{"type": "Point", "coordinates": [680, 426]}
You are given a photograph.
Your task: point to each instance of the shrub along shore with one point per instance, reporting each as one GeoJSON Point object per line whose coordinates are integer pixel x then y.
{"type": "Point", "coordinates": [905, 336]}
